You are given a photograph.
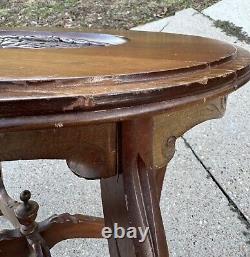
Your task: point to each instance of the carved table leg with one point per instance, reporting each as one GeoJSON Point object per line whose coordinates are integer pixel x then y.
{"type": "Point", "coordinates": [132, 199]}
{"type": "Point", "coordinates": [31, 239]}
{"type": "Point", "coordinates": [36, 239]}
{"type": "Point", "coordinates": [170, 126]}
{"type": "Point", "coordinates": [159, 177]}
{"type": "Point", "coordinates": [115, 211]}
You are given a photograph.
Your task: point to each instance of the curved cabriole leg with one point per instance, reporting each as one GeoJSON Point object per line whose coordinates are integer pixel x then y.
{"type": "Point", "coordinates": [132, 199]}
{"type": "Point", "coordinates": [52, 231]}
{"type": "Point", "coordinates": [31, 239]}
{"type": "Point", "coordinates": [38, 247]}
{"type": "Point", "coordinates": [36, 239]}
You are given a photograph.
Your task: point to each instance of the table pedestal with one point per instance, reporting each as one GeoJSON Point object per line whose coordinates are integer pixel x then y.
{"type": "Point", "coordinates": [129, 158]}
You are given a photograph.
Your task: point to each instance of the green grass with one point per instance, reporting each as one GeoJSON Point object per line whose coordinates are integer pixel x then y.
{"type": "Point", "coordinates": [196, 4]}
{"type": "Point", "coordinates": [44, 9]}
{"type": "Point", "coordinates": [3, 11]}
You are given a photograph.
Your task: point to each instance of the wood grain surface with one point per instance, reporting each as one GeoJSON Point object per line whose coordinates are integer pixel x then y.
{"type": "Point", "coordinates": [113, 111]}
{"type": "Point", "coordinates": [148, 72]}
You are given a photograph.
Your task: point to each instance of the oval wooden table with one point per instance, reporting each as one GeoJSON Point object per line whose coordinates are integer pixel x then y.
{"type": "Point", "coordinates": [112, 104]}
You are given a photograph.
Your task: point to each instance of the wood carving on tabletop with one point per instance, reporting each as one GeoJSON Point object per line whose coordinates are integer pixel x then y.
{"type": "Point", "coordinates": [15, 41]}
{"type": "Point", "coordinates": [36, 40]}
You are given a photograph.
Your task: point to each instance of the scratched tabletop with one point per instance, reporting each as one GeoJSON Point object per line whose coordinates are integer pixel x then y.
{"type": "Point", "coordinates": [92, 76]}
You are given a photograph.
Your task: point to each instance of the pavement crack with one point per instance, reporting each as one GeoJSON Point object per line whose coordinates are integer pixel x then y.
{"type": "Point", "coordinates": [233, 206]}
{"type": "Point", "coordinates": [164, 27]}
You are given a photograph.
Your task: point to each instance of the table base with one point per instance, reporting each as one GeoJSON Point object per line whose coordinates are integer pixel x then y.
{"type": "Point", "coordinates": [130, 189]}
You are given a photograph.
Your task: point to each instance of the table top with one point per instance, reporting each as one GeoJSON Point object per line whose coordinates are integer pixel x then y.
{"type": "Point", "coordinates": [108, 75]}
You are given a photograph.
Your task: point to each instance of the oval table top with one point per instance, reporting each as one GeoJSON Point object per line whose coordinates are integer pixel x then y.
{"type": "Point", "coordinates": [110, 75]}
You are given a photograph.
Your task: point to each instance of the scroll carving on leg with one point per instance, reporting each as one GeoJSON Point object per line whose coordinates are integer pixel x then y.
{"type": "Point", "coordinates": [170, 126]}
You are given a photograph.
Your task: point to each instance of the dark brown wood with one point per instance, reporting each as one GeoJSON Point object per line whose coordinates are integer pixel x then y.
{"type": "Point", "coordinates": [49, 232]}
{"type": "Point", "coordinates": [115, 211]}
{"type": "Point", "coordinates": [26, 213]}
{"type": "Point", "coordinates": [171, 125]}
{"type": "Point", "coordinates": [131, 198]}
{"type": "Point", "coordinates": [90, 151]}
{"type": "Point", "coordinates": [36, 239]}
{"type": "Point", "coordinates": [66, 226]}
{"type": "Point", "coordinates": [65, 142]}
{"type": "Point", "coordinates": [144, 54]}
{"type": "Point", "coordinates": [157, 70]}
{"type": "Point", "coordinates": [140, 186]}
{"type": "Point", "coordinates": [159, 178]}
{"type": "Point", "coordinates": [113, 113]}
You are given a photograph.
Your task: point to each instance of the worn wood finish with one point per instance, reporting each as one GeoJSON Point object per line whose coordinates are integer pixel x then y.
{"type": "Point", "coordinates": [65, 143]}
{"type": "Point", "coordinates": [157, 70]}
{"type": "Point", "coordinates": [52, 231]}
{"type": "Point", "coordinates": [90, 151]}
{"type": "Point", "coordinates": [140, 186]}
{"type": "Point", "coordinates": [115, 211]}
{"type": "Point", "coordinates": [142, 53]}
{"type": "Point", "coordinates": [131, 198]}
{"type": "Point", "coordinates": [113, 112]}
{"type": "Point", "coordinates": [168, 127]}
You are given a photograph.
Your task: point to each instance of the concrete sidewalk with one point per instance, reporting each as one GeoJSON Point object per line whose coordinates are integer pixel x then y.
{"type": "Point", "coordinates": [204, 216]}
{"type": "Point", "coordinates": [223, 148]}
